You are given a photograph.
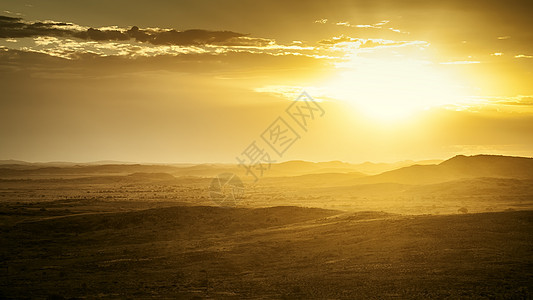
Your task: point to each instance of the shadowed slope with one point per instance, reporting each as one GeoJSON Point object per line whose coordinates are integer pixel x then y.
{"type": "Point", "coordinates": [459, 167]}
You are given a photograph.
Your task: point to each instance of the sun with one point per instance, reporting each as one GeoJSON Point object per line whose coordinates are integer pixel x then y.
{"type": "Point", "coordinates": [394, 88]}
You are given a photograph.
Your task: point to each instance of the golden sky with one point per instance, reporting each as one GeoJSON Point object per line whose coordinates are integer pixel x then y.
{"type": "Point", "coordinates": [199, 81]}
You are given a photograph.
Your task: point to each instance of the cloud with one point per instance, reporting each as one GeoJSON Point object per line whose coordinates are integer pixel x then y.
{"type": "Point", "coordinates": [186, 38]}
{"type": "Point", "coordinates": [379, 25]}
{"type": "Point", "coordinates": [519, 104]}
{"type": "Point", "coordinates": [69, 41]}
{"type": "Point", "coordinates": [11, 27]}
{"type": "Point", "coordinates": [321, 21]}
{"type": "Point", "coordinates": [49, 63]}
{"type": "Point", "coordinates": [245, 41]}
{"type": "Point", "coordinates": [290, 92]}
{"type": "Point", "coordinates": [337, 40]}
{"type": "Point", "coordinates": [101, 35]}
{"type": "Point", "coordinates": [369, 43]}
{"type": "Point", "coordinates": [463, 62]}
{"type": "Point", "coordinates": [376, 25]}
{"type": "Point", "coordinates": [523, 56]}
{"type": "Point", "coordinates": [73, 48]}
{"type": "Point", "coordinates": [12, 13]}
{"type": "Point", "coordinates": [519, 100]}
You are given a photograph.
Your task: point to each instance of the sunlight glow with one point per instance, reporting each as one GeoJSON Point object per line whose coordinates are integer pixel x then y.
{"type": "Point", "coordinates": [393, 89]}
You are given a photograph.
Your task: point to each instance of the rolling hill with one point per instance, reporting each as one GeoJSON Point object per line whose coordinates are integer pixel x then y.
{"type": "Point", "coordinates": [458, 167]}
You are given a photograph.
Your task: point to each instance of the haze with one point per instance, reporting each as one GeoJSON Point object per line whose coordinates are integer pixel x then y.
{"type": "Point", "coordinates": [397, 80]}
{"type": "Point", "coordinates": [349, 149]}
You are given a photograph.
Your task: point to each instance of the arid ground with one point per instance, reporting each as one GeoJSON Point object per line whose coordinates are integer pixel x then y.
{"type": "Point", "coordinates": [458, 229]}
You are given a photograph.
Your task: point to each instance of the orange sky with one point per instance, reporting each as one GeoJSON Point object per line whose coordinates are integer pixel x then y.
{"type": "Point", "coordinates": [199, 81]}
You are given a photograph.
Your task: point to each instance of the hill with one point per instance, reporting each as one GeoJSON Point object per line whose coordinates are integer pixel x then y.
{"type": "Point", "coordinates": [10, 169]}
{"type": "Point", "coordinates": [198, 252]}
{"type": "Point", "coordinates": [458, 167]}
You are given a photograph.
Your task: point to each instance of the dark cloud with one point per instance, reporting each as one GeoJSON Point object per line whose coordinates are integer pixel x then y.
{"type": "Point", "coordinates": [192, 37]}
{"type": "Point", "coordinates": [18, 28]}
{"type": "Point", "coordinates": [6, 21]}
{"type": "Point", "coordinates": [139, 35]}
{"type": "Point", "coordinates": [101, 35]}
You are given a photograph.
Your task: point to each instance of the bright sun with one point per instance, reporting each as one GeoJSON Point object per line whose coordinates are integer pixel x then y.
{"type": "Point", "coordinates": [392, 89]}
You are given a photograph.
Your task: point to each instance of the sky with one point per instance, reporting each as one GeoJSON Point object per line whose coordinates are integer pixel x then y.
{"type": "Point", "coordinates": [218, 81]}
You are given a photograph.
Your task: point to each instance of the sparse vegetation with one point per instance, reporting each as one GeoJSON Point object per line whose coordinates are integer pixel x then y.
{"type": "Point", "coordinates": [139, 236]}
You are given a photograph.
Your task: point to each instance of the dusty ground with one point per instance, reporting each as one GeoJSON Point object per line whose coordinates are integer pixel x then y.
{"type": "Point", "coordinates": [153, 235]}
{"type": "Point", "coordinates": [91, 249]}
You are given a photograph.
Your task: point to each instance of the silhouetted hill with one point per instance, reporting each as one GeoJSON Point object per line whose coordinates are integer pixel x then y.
{"type": "Point", "coordinates": [459, 167]}
{"type": "Point", "coordinates": [21, 170]}
{"type": "Point", "coordinates": [13, 162]}
{"type": "Point", "coordinates": [333, 173]}
{"type": "Point", "coordinates": [372, 168]}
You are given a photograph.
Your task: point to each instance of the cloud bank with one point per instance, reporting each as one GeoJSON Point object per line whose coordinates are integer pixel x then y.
{"type": "Point", "coordinates": [11, 27]}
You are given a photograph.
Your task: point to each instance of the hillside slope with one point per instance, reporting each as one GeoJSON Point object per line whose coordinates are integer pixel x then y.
{"type": "Point", "coordinates": [458, 167]}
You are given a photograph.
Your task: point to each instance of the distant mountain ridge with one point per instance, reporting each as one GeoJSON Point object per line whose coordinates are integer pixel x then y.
{"type": "Point", "coordinates": [333, 173]}
{"type": "Point", "coordinates": [19, 169]}
{"type": "Point", "coordinates": [458, 167]}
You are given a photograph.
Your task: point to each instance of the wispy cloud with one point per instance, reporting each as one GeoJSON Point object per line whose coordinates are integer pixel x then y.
{"type": "Point", "coordinates": [72, 49]}
{"type": "Point", "coordinates": [463, 62]}
{"type": "Point", "coordinates": [378, 25]}
{"type": "Point", "coordinates": [68, 40]}
{"type": "Point", "coordinates": [291, 92]}
{"type": "Point", "coordinates": [518, 100]}
{"type": "Point", "coordinates": [368, 43]}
